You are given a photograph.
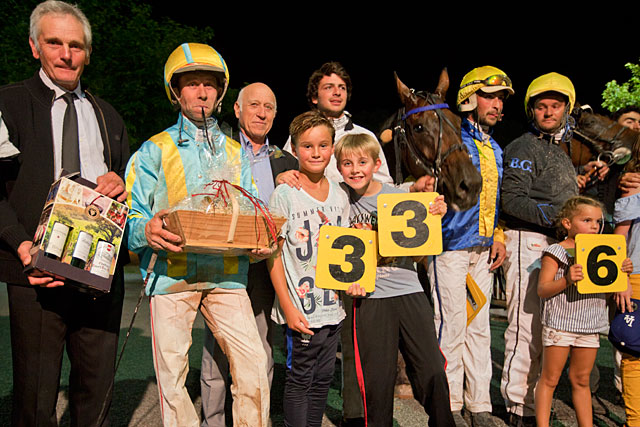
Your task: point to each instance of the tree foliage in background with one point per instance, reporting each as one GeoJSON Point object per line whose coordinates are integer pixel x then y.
{"type": "Point", "coordinates": [130, 47]}
{"type": "Point", "coordinates": [616, 96]}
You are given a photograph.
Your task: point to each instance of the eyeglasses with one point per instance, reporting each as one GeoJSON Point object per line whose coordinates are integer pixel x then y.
{"type": "Point", "coordinates": [495, 80]}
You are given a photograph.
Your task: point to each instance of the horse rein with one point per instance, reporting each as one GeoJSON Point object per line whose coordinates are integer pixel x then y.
{"type": "Point", "coordinates": [432, 167]}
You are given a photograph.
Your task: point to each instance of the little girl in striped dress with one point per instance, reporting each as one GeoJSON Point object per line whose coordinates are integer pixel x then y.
{"type": "Point", "coordinates": [571, 322]}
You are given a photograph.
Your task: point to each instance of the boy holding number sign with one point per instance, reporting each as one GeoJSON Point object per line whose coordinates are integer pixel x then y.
{"type": "Point", "coordinates": [312, 316]}
{"type": "Point", "coordinates": [397, 315]}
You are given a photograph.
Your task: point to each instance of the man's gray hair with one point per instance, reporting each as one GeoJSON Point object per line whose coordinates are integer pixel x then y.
{"type": "Point", "coordinates": [241, 94]}
{"type": "Point", "coordinates": [58, 8]}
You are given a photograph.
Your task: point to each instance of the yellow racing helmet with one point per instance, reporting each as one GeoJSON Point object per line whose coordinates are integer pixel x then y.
{"type": "Point", "coordinates": [488, 79]}
{"type": "Point", "coordinates": [195, 57]}
{"type": "Point", "coordinates": [551, 82]}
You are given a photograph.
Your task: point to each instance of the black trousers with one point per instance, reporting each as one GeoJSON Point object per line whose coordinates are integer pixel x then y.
{"type": "Point", "coordinates": [44, 321]}
{"type": "Point", "coordinates": [405, 322]}
{"type": "Point", "coordinates": [310, 368]}
{"type": "Point", "coordinates": [351, 398]}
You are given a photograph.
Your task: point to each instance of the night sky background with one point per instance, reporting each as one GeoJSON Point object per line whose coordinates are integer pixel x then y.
{"type": "Point", "coordinates": [589, 46]}
{"type": "Point", "coordinates": [281, 44]}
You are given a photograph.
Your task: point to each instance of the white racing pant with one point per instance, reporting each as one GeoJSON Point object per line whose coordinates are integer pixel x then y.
{"type": "Point", "coordinates": [229, 316]}
{"type": "Point", "coordinates": [467, 349]}
{"type": "Point", "coordinates": [523, 336]}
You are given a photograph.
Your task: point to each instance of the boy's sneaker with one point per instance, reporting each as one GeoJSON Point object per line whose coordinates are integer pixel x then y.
{"type": "Point", "coordinates": [459, 419]}
{"type": "Point", "coordinates": [483, 419]}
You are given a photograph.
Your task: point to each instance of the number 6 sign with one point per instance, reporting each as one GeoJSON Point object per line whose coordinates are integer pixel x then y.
{"type": "Point", "coordinates": [601, 256]}
{"type": "Point", "coordinates": [405, 227]}
{"type": "Point", "coordinates": [346, 256]}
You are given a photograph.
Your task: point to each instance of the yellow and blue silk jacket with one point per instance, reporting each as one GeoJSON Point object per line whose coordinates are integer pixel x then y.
{"type": "Point", "coordinates": [167, 168]}
{"type": "Point", "coordinates": [476, 226]}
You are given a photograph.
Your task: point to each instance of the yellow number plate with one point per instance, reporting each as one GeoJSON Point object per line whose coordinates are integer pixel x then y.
{"type": "Point", "coordinates": [601, 256]}
{"type": "Point", "coordinates": [405, 226]}
{"type": "Point", "coordinates": [346, 256]}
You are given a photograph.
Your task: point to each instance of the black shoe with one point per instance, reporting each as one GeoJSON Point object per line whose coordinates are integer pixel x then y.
{"type": "Point", "coordinates": [352, 422]}
{"type": "Point", "coordinates": [598, 406]}
{"type": "Point", "coordinates": [458, 419]}
{"type": "Point", "coordinates": [618, 400]}
{"type": "Point", "coordinates": [516, 420]}
{"type": "Point", "coordinates": [483, 419]}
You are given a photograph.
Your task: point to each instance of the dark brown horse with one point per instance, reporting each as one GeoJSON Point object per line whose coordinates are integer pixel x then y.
{"type": "Point", "coordinates": [597, 137]}
{"type": "Point", "coordinates": [426, 141]}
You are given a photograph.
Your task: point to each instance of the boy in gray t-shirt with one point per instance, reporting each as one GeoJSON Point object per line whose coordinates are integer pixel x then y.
{"type": "Point", "coordinates": [398, 314]}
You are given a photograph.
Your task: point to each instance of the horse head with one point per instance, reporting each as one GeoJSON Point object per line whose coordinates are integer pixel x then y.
{"type": "Point", "coordinates": [432, 144]}
{"type": "Point", "coordinates": [598, 137]}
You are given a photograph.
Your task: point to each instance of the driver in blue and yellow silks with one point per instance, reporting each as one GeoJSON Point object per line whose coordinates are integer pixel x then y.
{"type": "Point", "coordinates": [473, 250]}
{"type": "Point", "coordinates": [168, 167]}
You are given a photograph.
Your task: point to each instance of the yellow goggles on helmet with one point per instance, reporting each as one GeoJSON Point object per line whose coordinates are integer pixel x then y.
{"type": "Point", "coordinates": [494, 80]}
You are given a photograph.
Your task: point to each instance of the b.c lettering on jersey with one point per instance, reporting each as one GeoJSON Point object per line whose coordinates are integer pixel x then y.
{"type": "Point", "coordinates": [525, 165]}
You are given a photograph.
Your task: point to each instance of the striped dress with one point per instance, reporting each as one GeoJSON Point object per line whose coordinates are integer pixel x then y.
{"type": "Point", "coordinates": [569, 310]}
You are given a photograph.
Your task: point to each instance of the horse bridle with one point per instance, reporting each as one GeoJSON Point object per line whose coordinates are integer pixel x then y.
{"type": "Point", "coordinates": [400, 140]}
{"type": "Point", "coordinates": [592, 142]}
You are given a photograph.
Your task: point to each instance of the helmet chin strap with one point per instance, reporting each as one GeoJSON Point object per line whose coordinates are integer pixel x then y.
{"type": "Point", "coordinates": [206, 133]}
{"type": "Point", "coordinates": [484, 129]}
{"type": "Point", "coordinates": [175, 100]}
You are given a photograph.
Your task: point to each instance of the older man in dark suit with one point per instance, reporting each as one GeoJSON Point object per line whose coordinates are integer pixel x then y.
{"type": "Point", "coordinates": [50, 123]}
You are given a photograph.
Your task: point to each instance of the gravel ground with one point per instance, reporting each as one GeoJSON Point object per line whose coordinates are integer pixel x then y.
{"type": "Point", "coordinates": [136, 401]}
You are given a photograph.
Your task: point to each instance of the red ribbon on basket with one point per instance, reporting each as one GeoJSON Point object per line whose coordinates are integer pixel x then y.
{"type": "Point", "coordinates": [220, 191]}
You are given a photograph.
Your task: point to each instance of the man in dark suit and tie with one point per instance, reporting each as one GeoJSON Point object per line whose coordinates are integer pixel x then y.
{"type": "Point", "coordinates": [49, 123]}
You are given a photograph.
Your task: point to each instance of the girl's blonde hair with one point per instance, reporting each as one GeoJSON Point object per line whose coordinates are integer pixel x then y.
{"type": "Point", "coordinates": [570, 209]}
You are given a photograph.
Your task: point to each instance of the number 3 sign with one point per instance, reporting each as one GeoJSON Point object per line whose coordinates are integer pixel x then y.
{"type": "Point", "coordinates": [601, 256]}
{"type": "Point", "coordinates": [405, 227]}
{"type": "Point", "coordinates": [346, 256]}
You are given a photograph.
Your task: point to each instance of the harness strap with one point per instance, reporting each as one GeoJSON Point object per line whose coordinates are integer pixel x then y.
{"type": "Point", "coordinates": [431, 167]}
{"type": "Point", "coordinates": [424, 108]}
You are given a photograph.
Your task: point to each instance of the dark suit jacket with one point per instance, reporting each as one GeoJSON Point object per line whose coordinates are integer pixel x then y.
{"type": "Point", "coordinates": [25, 179]}
{"type": "Point", "coordinates": [281, 161]}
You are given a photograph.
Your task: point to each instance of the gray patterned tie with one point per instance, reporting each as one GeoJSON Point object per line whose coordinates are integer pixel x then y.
{"type": "Point", "coordinates": [70, 150]}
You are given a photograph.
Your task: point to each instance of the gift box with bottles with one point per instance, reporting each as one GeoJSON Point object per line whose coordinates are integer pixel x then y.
{"type": "Point", "coordinates": [79, 235]}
